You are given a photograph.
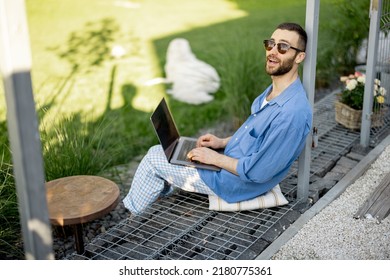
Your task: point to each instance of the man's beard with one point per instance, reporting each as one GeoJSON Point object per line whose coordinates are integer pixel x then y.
{"type": "Point", "coordinates": [283, 68]}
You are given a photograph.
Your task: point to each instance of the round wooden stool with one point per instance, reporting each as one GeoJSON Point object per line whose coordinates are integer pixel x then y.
{"type": "Point", "coordinates": [76, 200]}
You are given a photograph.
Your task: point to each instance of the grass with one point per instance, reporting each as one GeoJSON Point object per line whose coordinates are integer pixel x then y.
{"type": "Point", "coordinates": [10, 231]}
{"type": "Point", "coordinates": [94, 109]}
{"type": "Point", "coordinates": [74, 147]}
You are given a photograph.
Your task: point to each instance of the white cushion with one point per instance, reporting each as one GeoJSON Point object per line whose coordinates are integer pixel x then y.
{"type": "Point", "coordinates": [270, 199]}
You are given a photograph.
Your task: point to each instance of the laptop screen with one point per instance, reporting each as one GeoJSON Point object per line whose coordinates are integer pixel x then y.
{"type": "Point", "coordinates": [165, 128]}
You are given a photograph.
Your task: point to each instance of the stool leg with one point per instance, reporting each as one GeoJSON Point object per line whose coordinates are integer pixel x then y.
{"type": "Point", "coordinates": [79, 240]}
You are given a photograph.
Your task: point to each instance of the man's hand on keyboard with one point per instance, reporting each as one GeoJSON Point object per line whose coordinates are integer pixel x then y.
{"type": "Point", "coordinates": [212, 141]}
{"type": "Point", "coordinates": [203, 154]}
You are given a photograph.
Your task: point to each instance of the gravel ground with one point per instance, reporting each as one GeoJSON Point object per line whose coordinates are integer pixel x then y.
{"type": "Point", "coordinates": [333, 234]}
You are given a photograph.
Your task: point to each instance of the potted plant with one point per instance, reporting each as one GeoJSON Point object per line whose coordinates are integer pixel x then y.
{"type": "Point", "coordinates": [350, 102]}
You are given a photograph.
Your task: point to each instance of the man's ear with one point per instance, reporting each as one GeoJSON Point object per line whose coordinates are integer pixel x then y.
{"type": "Point", "coordinates": [300, 57]}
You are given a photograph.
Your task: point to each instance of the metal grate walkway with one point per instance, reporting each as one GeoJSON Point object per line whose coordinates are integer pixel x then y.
{"type": "Point", "coordinates": [182, 227]}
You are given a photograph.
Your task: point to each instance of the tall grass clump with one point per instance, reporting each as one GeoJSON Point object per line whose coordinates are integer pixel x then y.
{"type": "Point", "coordinates": [70, 147]}
{"type": "Point", "coordinates": [241, 67]}
{"type": "Point", "coordinates": [74, 147]}
{"type": "Point", "coordinates": [10, 230]}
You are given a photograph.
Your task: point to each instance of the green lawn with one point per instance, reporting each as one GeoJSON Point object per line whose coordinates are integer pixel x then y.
{"type": "Point", "coordinates": [74, 74]}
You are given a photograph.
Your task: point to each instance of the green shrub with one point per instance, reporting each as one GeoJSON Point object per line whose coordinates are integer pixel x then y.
{"type": "Point", "coordinates": [341, 38]}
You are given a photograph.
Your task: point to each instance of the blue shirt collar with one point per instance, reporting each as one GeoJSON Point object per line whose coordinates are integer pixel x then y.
{"type": "Point", "coordinates": [282, 98]}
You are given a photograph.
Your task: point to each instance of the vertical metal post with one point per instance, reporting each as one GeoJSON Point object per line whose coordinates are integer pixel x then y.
{"type": "Point", "coordinates": [15, 65]}
{"type": "Point", "coordinates": [309, 76]}
{"type": "Point", "coordinates": [373, 38]}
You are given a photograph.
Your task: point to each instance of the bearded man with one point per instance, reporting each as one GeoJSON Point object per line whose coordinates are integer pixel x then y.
{"type": "Point", "coordinates": [258, 155]}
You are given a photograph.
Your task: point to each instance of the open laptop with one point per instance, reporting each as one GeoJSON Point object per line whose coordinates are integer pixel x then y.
{"type": "Point", "coordinates": [176, 147]}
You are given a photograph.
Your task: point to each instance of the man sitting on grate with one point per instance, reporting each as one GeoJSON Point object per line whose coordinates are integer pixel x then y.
{"type": "Point", "coordinates": [259, 154]}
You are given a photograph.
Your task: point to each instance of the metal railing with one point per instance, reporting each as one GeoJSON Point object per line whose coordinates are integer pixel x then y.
{"type": "Point", "coordinates": [377, 67]}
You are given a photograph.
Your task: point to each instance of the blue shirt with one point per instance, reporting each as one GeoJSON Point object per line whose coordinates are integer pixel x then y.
{"type": "Point", "coordinates": [266, 145]}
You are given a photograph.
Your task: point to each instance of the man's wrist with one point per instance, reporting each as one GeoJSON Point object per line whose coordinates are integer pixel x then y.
{"type": "Point", "coordinates": [225, 141]}
{"type": "Point", "coordinates": [227, 163]}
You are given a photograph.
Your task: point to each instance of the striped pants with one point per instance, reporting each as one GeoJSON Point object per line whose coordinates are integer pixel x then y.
{"type": "Point", "coordinates": [156, 177]}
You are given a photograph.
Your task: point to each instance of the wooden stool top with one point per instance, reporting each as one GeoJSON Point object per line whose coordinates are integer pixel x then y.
{"type": "Point", "coordinates": [80, 199]}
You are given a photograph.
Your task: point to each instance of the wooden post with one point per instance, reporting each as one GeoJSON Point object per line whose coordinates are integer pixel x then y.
{"type": "Point", "coordinates": [15, 65]}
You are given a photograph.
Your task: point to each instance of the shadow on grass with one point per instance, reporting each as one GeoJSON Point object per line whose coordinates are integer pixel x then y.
{"type": "Point", "coordinates": [112, 133]}
{"type": "Point", "coordinates": [90, 47]}
{"type": "Point", "coordinates": [76, 146]}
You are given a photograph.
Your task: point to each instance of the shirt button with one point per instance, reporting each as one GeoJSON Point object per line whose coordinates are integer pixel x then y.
{"type": "Point", "coordinates": [236, 139]}
{"type": "Point", "coordinates": [246, 127]}
{"type": "Point", "coordinates": [254, 115]}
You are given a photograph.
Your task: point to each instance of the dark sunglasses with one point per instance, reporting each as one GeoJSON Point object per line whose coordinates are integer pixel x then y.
{"type": "Point", "coordinates": [282, 47]}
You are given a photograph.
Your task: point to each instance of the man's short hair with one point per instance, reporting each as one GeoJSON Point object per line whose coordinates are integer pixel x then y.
{"type": "Point", "coordinates": [298, 29]}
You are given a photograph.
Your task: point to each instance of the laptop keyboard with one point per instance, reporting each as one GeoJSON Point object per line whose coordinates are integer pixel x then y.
{"type": "Point", "coordinates": [188, 145]}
